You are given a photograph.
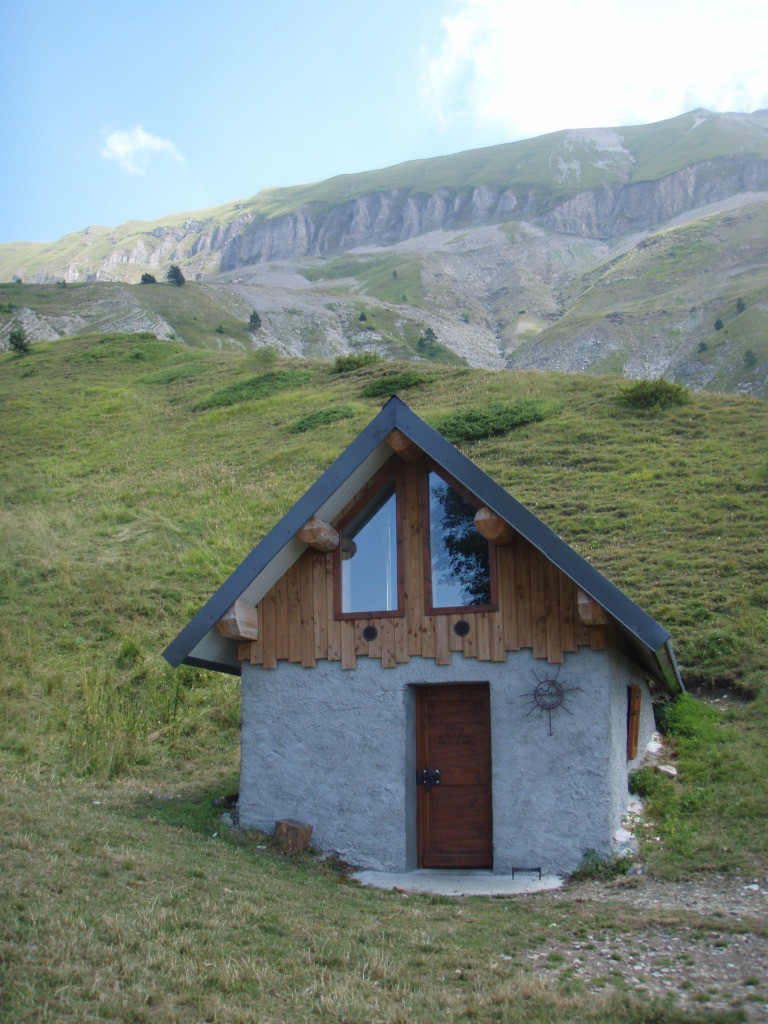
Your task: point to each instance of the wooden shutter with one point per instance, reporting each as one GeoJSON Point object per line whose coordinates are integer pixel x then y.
{"type": "Point", "coordinates": [634, 698]}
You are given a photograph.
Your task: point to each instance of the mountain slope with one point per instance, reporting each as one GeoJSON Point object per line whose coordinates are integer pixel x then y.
{"type": "Point", "coordinates": [594, 182]}
{"type": "Point", "coordinates": [603, 249]}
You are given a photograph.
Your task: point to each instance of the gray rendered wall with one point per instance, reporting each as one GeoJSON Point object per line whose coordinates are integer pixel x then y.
{"type": "Point", "coordinates": [336, 749]}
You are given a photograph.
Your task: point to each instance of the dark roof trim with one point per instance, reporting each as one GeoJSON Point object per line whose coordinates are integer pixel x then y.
{"type": "Point", "coordinates": [396, 414]}
{"type": "Point", "coordinates": [284, 531]}
{"type": "Point", "coordinates": [215, 666]}
{"type": "Point", "coordinates": [553, 547]}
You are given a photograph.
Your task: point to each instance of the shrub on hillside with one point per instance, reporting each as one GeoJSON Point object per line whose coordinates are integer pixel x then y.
{"type": "Point", "coordinates": [148, 279]}
{"type": "Point", "coordinates": [263, 359]}
{"type": "Point", "coordinates": [492, 420]}
{"type": "Point", "coordinates": [345, 364]}
{"type": "Point", "coordinates": [654, 395]}
{"type": "Point", "coordinates": [394, 382]}
{"type": "Point", "coordinates": [254, 387]}
{"type": "Point", "coordinates": [17, 339]}
{"type": "Point", "coordinates": [318, 419]}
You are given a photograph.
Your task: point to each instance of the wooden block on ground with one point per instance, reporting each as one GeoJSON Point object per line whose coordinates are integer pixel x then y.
{"type": "Point", "coordinates": [292, 835]}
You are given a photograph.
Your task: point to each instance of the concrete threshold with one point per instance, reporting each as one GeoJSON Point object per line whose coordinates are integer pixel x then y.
{"type": "Point", "coordinates": [442, 882]}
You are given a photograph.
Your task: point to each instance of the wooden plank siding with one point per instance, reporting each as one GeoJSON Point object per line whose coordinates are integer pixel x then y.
{"type": "Point", "coordinates": [537, 609]}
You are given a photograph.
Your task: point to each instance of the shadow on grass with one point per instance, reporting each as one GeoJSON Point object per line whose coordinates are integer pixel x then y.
{"type": "Point", "coordinates": [187, 807]}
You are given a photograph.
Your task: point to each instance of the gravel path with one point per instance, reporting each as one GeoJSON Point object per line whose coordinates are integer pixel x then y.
{"type": "Point", "coordinates": [712, 955]}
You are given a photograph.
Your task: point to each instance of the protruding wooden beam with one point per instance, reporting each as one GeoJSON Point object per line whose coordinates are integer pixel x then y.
{"type": "Point", "coordinates": [403, 446]}
{"type": "Point", "coordinates": [590, 612]}
{"type": "Point", "coordinates": [319, 535]}
{"type": "Point", "coordinates": [493, 527]}
{"type": "Point", "coordinates": [240, 622]}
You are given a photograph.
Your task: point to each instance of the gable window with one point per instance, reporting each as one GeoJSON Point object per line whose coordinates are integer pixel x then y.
{"type": "Point", "coordinates": [370, 573]}
{"type": "Point", "coordinates": [459, 571]}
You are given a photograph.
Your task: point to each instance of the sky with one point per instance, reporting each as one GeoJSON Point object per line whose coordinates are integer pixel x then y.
{"type": "Point", "coordinates": [118, 110]}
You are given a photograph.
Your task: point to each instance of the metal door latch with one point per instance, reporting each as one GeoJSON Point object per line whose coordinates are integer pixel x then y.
{"type": "Point", "coordinates": [428, 777]}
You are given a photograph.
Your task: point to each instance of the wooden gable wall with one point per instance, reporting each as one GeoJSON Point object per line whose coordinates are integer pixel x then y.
{"type": "Point", "coordinates": [537, 609]}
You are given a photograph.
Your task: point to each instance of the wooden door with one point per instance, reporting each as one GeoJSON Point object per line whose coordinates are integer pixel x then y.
{"type": "Point", "coordinates": [453, 736]}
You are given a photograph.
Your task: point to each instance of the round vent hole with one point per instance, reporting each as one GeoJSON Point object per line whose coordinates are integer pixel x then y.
{"type": "Point", "coordinates": [461, 628]}
{"type": "Point", "coordinates": [370, 633]}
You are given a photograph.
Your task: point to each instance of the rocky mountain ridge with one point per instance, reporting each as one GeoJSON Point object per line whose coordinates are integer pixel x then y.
{"type": "Point", "coordinates": [595, 183]}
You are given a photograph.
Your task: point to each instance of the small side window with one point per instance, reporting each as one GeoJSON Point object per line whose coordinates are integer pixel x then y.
{"type": "Point", "coordinates": [369, 557]}
{"type": "Point", "coordinates": [459, 572]}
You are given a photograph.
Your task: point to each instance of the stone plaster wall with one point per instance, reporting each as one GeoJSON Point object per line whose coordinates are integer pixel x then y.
{"type": "Point", "coordinates": [336, 749]}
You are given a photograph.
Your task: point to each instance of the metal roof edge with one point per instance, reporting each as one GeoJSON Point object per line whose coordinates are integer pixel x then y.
{"type": "Point", "coordinates": [214, 666]}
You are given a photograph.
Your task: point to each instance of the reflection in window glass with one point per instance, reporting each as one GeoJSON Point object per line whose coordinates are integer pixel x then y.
{"type": "Point", "coordinates": [461, 569]}
{"type": "Point", "coordinates": [369, 558]}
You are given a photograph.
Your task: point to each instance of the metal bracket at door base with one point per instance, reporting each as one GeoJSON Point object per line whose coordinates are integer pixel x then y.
{"type": "Point", "coordinates": [527, 871]}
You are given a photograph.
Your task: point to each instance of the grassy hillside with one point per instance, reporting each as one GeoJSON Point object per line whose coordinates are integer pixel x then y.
{"type": "Point", "coordinates": [130, 490]}
{"type": "Point", "coordinates": [195, 314]}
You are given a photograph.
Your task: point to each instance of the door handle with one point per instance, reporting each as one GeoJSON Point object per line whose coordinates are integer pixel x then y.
{"type": "Point", "coordinates": [428, 777]}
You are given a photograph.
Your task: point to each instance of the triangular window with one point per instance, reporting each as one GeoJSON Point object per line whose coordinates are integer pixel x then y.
{"type": "Point", "coordinates": [369, 557]}
{"type": "Point", "coordinates": [459, 573]}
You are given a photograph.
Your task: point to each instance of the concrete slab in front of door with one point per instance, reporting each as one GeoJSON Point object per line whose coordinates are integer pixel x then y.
{"type": "Point", "coordinates": [444, 882]}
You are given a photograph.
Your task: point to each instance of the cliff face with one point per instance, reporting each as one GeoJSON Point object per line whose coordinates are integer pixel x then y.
{"type": "Point", "coordinates": [386, 218]}
{"type": "Point", "coordinates": [639, 206]}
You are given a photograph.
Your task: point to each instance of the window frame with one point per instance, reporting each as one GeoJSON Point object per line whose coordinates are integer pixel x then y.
{"type": "Point", "coordinates": [426, 524]}
{"type": "Point", "coordinates": [389, 473]}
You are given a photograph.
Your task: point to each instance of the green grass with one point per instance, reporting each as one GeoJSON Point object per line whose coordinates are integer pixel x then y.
{"type": "Point", "coordinates": [132, 905]}
{"type": "Point", "coordinates": [123, 508]}
{"type": "Point", "coordinates": [195, 313]}
{"type": "Point", "coordinates": [387, 278]}
{"type": "Point", "coordinates": [713, 815]}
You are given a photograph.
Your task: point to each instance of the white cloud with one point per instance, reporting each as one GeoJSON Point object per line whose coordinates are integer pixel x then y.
{"type": "Point", "coordinates": [132, 149]}
{"type": "Point", "coordinates": [529, 69]}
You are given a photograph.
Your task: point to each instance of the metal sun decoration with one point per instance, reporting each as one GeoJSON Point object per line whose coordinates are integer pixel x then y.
{"type": "Point", "coordinates": [549, 696]}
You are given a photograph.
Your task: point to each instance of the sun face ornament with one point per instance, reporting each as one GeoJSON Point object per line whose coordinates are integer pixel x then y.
{"type": "Point", "coordinates": [548, 696]}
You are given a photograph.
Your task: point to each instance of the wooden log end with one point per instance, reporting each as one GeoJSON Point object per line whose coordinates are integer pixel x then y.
{"type": "Point", "coordinates": [590, 612]}
{"type": "Point", "coordinates": [240, 622]}
{"type": "Point", "coordinates": [319, 535]}
{"type": "Point", "coordinates": [403, 446]}
{"type": "Point", "coordinates": [493, 527]}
